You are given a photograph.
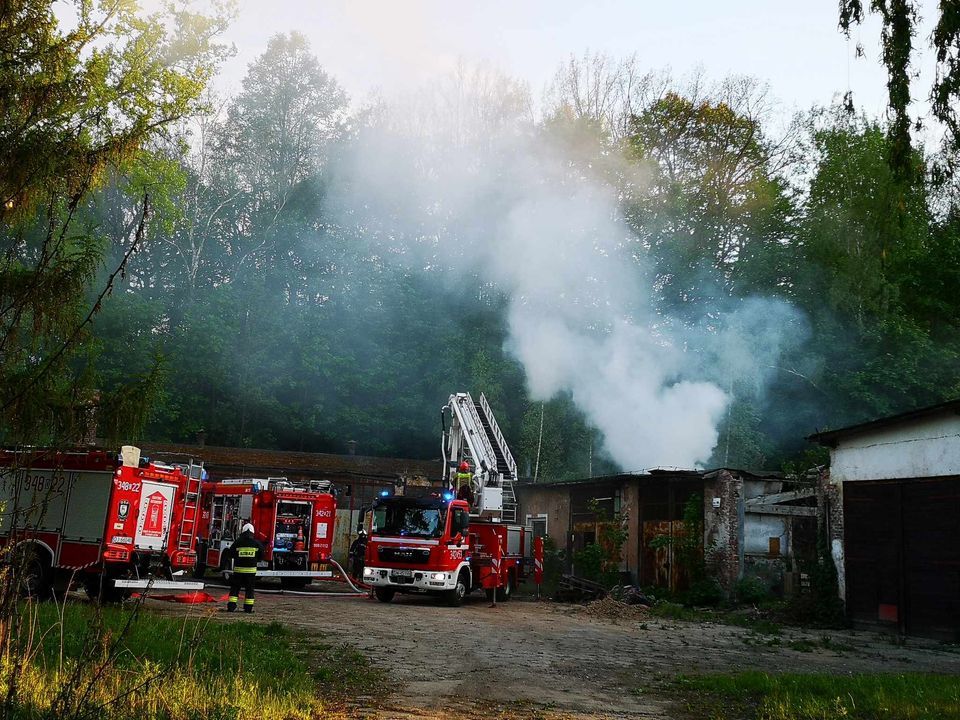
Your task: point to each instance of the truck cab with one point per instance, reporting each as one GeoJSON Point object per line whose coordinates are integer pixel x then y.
{"type": "Point", "coordinates": [420, 545]}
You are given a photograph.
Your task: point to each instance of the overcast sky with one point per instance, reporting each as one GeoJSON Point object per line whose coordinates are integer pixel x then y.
{"type": "Point", "coordinates": [387, 45]}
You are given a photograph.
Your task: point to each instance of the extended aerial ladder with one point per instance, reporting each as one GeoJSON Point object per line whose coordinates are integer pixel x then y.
{"type": "Point", "coordinates": [475, 436]}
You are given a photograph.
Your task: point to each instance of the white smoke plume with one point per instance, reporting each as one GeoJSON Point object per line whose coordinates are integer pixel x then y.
{"type": "Point", "coordinates": [512, 208]}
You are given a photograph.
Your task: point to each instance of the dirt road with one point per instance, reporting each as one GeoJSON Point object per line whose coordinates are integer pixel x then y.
{"type": "Point", "coordinates": [558, 661]}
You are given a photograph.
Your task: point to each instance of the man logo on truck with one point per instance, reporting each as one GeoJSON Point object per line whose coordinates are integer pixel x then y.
{"type": "Point", "coordinates": [123, 510]}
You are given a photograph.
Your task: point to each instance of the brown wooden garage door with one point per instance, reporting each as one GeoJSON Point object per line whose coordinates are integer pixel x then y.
{"type": "Point", "coordinates": [902, 549]}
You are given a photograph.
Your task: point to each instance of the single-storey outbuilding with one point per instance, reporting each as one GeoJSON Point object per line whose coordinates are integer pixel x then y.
{"type": "Point", "coordinates": [893, 520]}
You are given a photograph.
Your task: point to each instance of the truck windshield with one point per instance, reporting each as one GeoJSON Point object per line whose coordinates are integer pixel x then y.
{"type": "Point", "coordinates": [409, 520]}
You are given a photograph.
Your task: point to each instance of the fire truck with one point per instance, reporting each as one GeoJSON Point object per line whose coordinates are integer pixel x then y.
{"type": "Point", "coordinates": [114, 523]}
{"type": "Point", "coordinates": [294, 520]}
{"type": "Point", "coordinates": [454, 541]}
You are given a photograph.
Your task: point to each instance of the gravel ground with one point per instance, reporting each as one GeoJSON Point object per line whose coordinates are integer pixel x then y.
{"type": "Point", "coordinates": [540, 659]}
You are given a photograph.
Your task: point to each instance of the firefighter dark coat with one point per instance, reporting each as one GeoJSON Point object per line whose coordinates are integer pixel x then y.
{"type": "Point", "coordinates": [245, 552]}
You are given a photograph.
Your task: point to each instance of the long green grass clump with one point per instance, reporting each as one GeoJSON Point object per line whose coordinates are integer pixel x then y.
{"type": "Point", "coordinates": [79, 661]}
{"type": "Point", "coordinates": [796, 696]}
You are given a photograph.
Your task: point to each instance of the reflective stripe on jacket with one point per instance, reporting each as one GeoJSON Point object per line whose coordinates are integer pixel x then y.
{"type": "Point", "coordinates": [246, 553]}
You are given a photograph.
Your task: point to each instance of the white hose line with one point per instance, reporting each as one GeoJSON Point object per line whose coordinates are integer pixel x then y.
{"type": "Point", "coordinates": [310, 593]}
{"type": "Point", "coordinates": [356, 591]}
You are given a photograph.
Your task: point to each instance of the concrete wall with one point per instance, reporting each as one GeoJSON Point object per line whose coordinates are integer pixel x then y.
{"type": "Point", "coordinates": [925, 447]}
{"type": "Point", "coordinates": [553, 503]}
{"type": "Point", "coordinates": [759, 528]}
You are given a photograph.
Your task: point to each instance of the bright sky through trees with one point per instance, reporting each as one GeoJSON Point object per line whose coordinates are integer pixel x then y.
{"type": "Point", "coordinates": [388, 45]}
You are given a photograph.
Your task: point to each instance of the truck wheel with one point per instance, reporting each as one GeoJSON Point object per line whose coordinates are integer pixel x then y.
{"type": "Point", "coordinates": [34, 574]}
{"type": "Point", "coordinates": [455, 597]}
{"type": "Point", "coordinates": [100, 589]}
{"type": "Point", "coordinates": [384, 595]}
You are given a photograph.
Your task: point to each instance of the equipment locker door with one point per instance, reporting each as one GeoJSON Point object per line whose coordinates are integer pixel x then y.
{"type": "Point", "coordinates": [153, 521]}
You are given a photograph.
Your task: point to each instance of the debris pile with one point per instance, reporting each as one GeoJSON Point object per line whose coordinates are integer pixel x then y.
{"type": "Point", "coordinates": [614, 609]}
{"type": "Point", "coordinates": [577, 589]}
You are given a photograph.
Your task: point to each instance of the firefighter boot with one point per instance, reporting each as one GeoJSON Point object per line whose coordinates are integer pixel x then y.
{"type": "Point", "coordinates": [232, 604]}
{"type": "Point", "coordinates": [248, 606]}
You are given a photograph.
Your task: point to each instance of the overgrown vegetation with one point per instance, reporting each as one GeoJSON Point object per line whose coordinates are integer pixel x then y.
{"type": "Point", "coordinates": [601, 561]}
{"type": "Point", "coordinates": [821, 604]}
{"type": "Point", "coordinates": [696, 586]}
{"type": "Point", "coordinates": [790, 696]}
{"type": "Point", "coordinates": [81, 661]}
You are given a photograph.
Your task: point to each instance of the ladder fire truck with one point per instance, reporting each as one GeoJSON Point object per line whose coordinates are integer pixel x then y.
{"type": "Point", "coordinates": [294, 520]}
{"type": "Point", "coordinates": [114, 524]}
{"type": "Point", "coordinates": [450, 543]}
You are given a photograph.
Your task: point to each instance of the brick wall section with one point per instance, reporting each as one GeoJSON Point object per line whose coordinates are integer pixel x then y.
{"type": "Point", "coordinates": [630, 513]}
{"type": "Point", "coordinates": [722, 526]}
{"type": "Point", "coordinates": [830, 517]}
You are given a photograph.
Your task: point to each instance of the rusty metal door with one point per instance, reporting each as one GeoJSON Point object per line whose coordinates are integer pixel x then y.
{"type": "Point", "coordinates": [902, 555]}
{"type": "Point", "coordinates": [658, 566]}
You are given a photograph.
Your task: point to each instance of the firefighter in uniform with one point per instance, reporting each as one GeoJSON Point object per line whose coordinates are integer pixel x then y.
{"type": "Point", "coordinates": [358, 553]}
{"type": "Point", "coordinates": [246, 552]}
{"type": "Point", "coordinates": [464, 483]}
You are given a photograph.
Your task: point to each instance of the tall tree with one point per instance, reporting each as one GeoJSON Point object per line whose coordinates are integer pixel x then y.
{"type": "Point", "coordinates": [715, 198]}
{"type": "Point", "coordinates": [76, 104]}
{"type": "Point", "coordinates": [899, 28]}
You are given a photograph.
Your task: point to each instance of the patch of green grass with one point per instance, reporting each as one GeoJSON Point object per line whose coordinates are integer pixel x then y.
{"type": "Point", "coordinates": [120, 665]}
{"type": "Point", "coordinates": [763, 696]}
{"type": "Point", "coordinates": [825, 643]}
{"type": "Point", "coordinates": [748, 620]}
{"type": "Point", "coordinates": [761, 640]}
{"type": "Point", "coordinates": [676, 611]}
{"type": "Point", "coordinates": [751, 622]}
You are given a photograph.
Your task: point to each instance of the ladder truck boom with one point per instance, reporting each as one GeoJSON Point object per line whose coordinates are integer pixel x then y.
{"type": "Point", "coordinates": [453, 542]}
{"type": "Point", "coordinates": [474, 436]}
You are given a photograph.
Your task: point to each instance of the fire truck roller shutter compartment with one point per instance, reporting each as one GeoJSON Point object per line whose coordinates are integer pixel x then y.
{"type": "Point", "coordinates": [153, 520]}
{"type": "Point", "coordinates": [89, 501]}
{"type": "Point", "coordinates": [40, 497]}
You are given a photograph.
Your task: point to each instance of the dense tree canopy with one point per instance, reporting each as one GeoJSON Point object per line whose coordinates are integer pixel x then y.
{"type": "Point", "coordinates": [257, 309]}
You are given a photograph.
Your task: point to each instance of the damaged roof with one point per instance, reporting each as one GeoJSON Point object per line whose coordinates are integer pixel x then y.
{"type": "Point", "coordinates": [655, 473]}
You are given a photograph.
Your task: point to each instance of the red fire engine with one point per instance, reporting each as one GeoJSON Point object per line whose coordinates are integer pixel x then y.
{"type": "Point", "coordinates": [294, 521]}
{"type": "Point", "coordinates": [114, 524]}
{"type": "Point", "coordinates": [464, 537]}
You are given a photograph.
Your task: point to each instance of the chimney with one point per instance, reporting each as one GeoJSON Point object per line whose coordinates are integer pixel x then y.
{"type": "Point", "coordinates": [351, 447]}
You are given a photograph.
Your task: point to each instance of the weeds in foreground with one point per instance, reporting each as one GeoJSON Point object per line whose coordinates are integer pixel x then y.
{"type": "Point", "coordinates": [764, 696]}
{"type": "Point", "coordinates": [173, 668]}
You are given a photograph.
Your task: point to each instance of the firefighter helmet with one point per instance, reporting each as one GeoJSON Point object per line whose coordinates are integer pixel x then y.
{"type": "Point", "coordinates": [464, 467]}
{"type": "Point", "coordinates": [247, 528]}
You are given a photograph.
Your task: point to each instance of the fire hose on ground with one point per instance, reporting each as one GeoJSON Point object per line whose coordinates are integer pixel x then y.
{"type": "Point", "coordinates": [357, 591]}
